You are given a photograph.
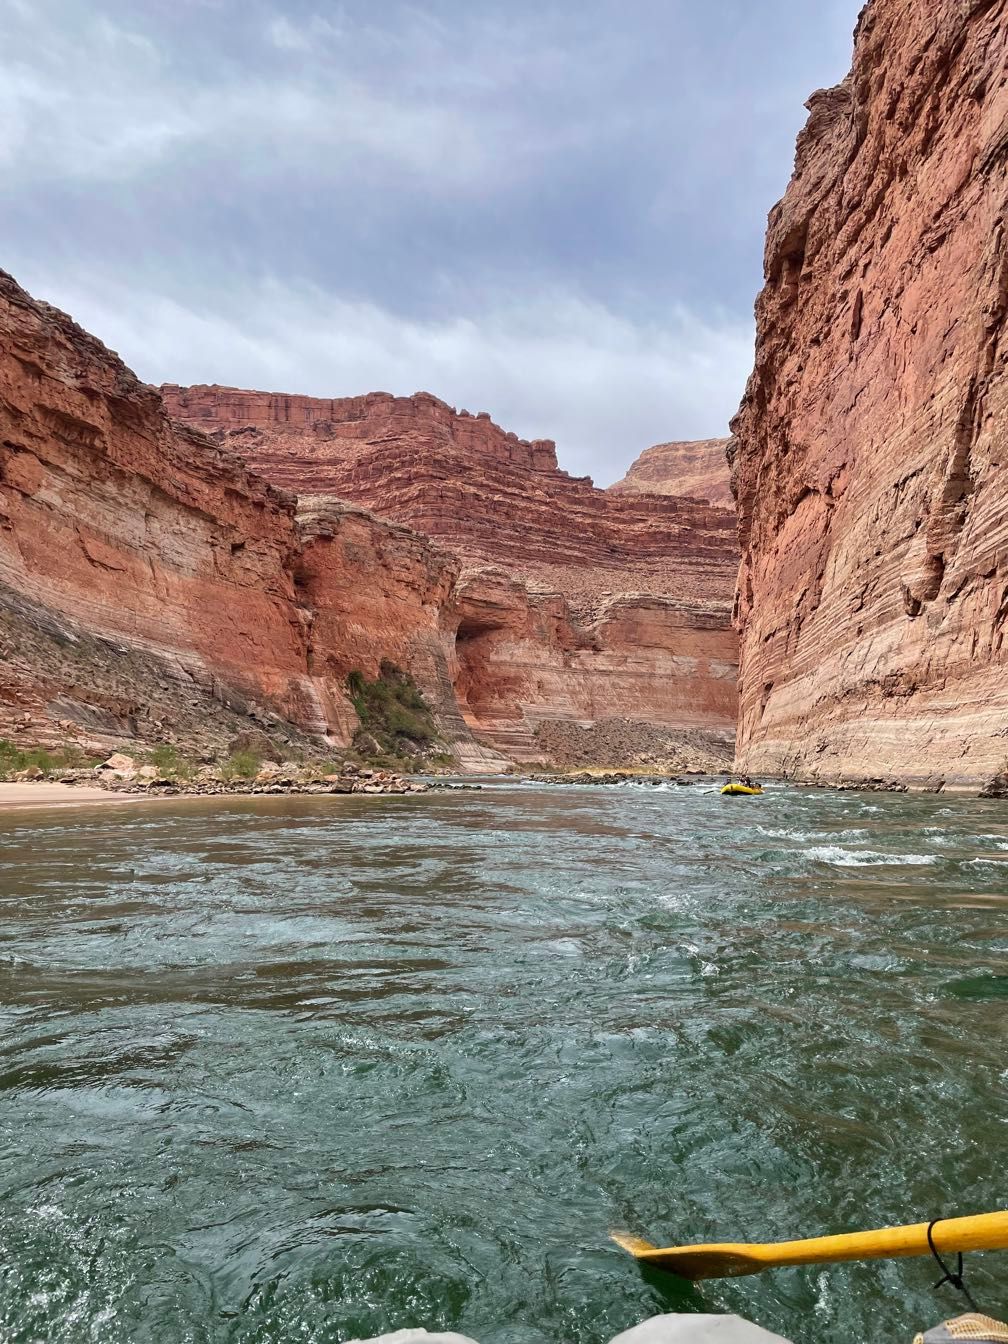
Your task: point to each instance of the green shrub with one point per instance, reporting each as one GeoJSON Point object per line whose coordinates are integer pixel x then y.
{"type": "Point", "coordinates": [39, 758]}
{"type": "Point", "coordinates": [393, 714]}
{"type": "Point", "coordinates": [166, 758]}
{"type": "Point", "coordinates": [242, 765]}
{"type": "Point", "coordinates": [69, 756]}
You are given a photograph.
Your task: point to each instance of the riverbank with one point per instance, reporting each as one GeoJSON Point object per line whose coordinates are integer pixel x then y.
{"type": "Point", "coordinates": [121, 778]}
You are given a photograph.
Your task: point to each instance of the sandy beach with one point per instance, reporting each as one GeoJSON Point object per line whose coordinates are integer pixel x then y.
{"type": "Point", "coordinates": [14, 796]}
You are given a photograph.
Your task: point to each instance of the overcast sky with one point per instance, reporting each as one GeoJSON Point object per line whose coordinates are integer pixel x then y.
{"type": "Point", "coordinates": [552, 210]}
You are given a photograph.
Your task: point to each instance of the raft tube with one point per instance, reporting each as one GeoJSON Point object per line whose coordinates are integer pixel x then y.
{"type": "Point", "coordinates": [732, 789]}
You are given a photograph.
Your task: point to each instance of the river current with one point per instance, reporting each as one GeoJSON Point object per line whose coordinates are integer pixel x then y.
{"type": "Point", "coordinates": [305, 1070]}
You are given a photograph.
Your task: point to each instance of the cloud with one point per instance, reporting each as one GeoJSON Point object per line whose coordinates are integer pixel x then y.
{"type": "Point", "coordinates": [550, 211]}
{"type": "Point", "coordinates": [286, 35]}
{"type": "Point", "coordinates": [98, 100]}
{"type": "Point", "coordinates": [556, 367]}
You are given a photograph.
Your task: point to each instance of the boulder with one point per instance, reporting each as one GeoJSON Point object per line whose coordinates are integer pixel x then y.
{"type": "Point", "coordinates": [119, 762]}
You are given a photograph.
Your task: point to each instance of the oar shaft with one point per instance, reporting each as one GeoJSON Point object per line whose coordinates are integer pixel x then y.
{"type": "Point", "coordinates": [980, 1232]}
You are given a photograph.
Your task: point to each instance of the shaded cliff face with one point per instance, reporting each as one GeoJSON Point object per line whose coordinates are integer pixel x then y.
{"type": "Point", "coordinates": [870, 449]}
{"type": "Point", "coordinates": [523, 660]}
{"type": "Point", "coordinates": [488, 496]}
{"type": "Point", "coordinates": [697, 467]}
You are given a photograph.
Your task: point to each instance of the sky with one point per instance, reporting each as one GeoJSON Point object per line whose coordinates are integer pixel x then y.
{"type": "Point", "coordinates": [551, 210]}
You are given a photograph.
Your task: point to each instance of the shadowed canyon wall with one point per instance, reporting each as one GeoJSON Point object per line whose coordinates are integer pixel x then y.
{"type": "Point", "coordinates": [870, 450]}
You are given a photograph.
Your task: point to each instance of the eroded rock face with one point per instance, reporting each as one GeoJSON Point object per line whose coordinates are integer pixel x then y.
{"type": "Point", "coordinates": [870, 449]}
{"type": "Point", "coordinates": [488, 496]}
{"type": "Point", "coordinates": [378, 592]}
{"type": "Point", "coordinates": [575, 604]}
{"type": "Point", "coordinates": [116, 523]}
{"type": "Point", "coordinates": [698, 468]}
{"type": "Point", "coordinates": [522, 659]}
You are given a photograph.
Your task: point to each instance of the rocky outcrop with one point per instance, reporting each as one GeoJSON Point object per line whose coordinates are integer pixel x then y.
{"type": "Point", "coordinates": [488, 496]}
{"type": "Point", "coordinates": [698, 468]}
{"type": "Point", "coordinates": [377, 592]}
{"type": "Point", "coordinates": [870, 450]}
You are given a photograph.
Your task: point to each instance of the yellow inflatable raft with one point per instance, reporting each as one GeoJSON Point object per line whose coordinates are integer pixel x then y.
{"type": "Point", "coordinates": [732, 789]}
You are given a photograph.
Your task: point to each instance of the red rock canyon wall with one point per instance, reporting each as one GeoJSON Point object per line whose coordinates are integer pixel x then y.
{"type": "Point", "coordinates": [151, 586]}
{"type": "Point", "coordinates": [871, 449]}
{"type": "Point", "coordinates": [489, 497]}
{"type": "Point", "coordinates": [575, 604]}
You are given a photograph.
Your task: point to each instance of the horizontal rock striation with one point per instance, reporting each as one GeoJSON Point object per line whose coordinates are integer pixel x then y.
{"type": "Point", "coordinates": [871, 448]}
{"type": "Point", "coordinates": [524, 659]}
{"type": "Point", "coordinates": [574, 604]}
{"type": "Point", "coordinates": [698, 468]}
{"type": "Point", "coordinates": [490, 497]}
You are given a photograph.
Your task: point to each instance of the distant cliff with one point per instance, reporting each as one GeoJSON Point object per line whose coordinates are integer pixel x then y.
{"type": "Point", "coordinates": [870, 450]}
{"type": "Point", "coordinates": [487, 495]}
{"type": "Point", "coordinates": [697, 467]}
{"type": "Point", "coordinates": [575, 604]}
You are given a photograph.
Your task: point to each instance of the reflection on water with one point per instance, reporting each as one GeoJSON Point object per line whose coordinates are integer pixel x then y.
{"type": "Point", "coordinates": [310, 1069]}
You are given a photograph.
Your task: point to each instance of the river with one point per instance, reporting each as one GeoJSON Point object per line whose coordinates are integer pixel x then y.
{"type": "Point", "coordinates": [307, 1069]}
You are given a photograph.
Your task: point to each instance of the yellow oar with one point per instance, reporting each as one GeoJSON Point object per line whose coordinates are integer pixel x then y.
{"type": "Point", "coordinates": [981, 1232]}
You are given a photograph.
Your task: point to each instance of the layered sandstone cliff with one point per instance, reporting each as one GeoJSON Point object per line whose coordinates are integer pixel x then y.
{"type": "Point", "coordinates": [488, 496]}
{"type": "Point", "coordinates": [153, 587]}
{"type": "Point", "coordinates": [524, 660]}
{"type": "Point", "coordinates": [870, 450]}
{"type": "Point", "coordinates": [698, 467]}
{"type": "Point", "coordinates": [575, 604]}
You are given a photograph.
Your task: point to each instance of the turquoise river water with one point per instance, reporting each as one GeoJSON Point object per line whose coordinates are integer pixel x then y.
{"type": "Point", "coordinates": [306, 1070]}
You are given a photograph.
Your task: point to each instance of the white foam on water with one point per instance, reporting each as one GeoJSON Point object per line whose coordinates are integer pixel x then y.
{"type": "Point", "coordinates": [863, 858]}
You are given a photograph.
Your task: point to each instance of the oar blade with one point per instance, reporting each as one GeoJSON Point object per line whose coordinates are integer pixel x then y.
{"type": "Point", "coordinates": [705, 1262]}
{"type": "Point", "coordinates": [692, 1262]}
{"type": "Point", "coordinates": [637, 1246]}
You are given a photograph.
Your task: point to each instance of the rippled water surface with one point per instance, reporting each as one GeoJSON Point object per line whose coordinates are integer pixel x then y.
{"type": "Point", "coordinates": [304, 1070]}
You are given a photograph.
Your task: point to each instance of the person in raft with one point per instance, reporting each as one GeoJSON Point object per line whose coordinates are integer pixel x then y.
{"type": "Point", "coordinates": [749, 783]}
